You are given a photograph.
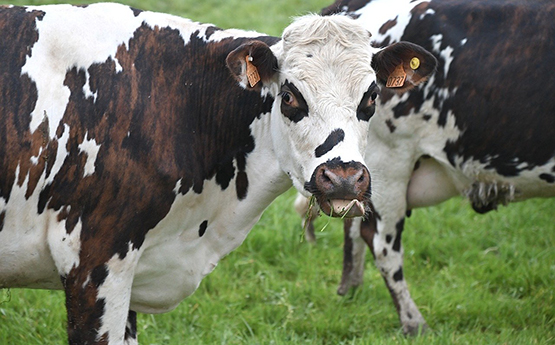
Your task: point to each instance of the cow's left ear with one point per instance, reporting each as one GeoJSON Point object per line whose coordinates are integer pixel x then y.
{"type": "Point", "coordinates": [403, 65]}
{"type": "Point", "coordinates": [252, 64]}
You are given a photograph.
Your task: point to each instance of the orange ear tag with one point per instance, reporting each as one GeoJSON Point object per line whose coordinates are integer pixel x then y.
{"type": "Point", "coordinates": [397, 78]}
{"type": "Point", "coordinates": [252, 73]}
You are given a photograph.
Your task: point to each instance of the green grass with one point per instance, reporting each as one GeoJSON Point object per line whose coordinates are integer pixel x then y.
{"type": "Point", "coordinates": [478, 279]}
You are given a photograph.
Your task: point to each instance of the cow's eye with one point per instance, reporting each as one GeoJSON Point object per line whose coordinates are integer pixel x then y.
{"type": "Point", "coordinates": [288, 98]}
{"type": "Point", "coordinates": [293, 104]}
{"type": "Point", "coordinates": [367, 106]}
{"type": "Point", "coordinates": [371, 100]}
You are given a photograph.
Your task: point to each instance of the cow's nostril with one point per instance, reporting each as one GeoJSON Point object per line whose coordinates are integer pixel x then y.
{"type": "Point", "coordinates": [326, 175]}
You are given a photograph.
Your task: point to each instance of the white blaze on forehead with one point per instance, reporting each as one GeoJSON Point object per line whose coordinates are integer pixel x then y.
{"type": "Point", "coordinates": [69, 37]}
{"type": "Point", "coordinates": [90, 148]}
{"type": "Point", "coordinates": [327, 57]}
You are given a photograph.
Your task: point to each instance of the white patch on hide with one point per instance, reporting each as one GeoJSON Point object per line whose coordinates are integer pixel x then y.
{"type": "Point", "coordinates": [436, 42]}
{"type": "Point", "coordinates": [90, 148]}
{"type": "Point", "coordinates": [447, 56]}
{"type": "Point", "coordinates": [116, 291]}
{"type": "Point", "coordinates": [376, 13]}
{"type": "Point", "coordinates": [87, 87]}
{"type": "Point", "coordinates": [64, 247]}
{"type": "Point", "coordinates": [72, 37]}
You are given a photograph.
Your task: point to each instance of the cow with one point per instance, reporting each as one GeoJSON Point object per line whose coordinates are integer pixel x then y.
{"type": "Point", "coordinates": [139, 148]}
{"type": "Point", "coordinates": [482, 127]}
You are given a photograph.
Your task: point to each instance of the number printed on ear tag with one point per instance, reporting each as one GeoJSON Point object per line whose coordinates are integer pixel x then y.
{"type": "Point", "coordinates": [252, 72]}
{"type": "Point", "coordinates": [397, 78]}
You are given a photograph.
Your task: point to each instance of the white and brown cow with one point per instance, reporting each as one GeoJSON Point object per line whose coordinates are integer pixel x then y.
{"type": "Point", "coordinates": [483, 127]}
{"type": "Point", "coordinates": [139, 148]}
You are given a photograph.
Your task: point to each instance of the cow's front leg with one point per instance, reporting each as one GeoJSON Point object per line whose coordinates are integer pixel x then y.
{"type": "Point", "coordinates": [354, 251]}
{"type": "Point", "coordinates": [385, 241]}
{"type": "Point", "coordinates": [97, 301]}
{"type": "Point", "coordinates": [131, 329]}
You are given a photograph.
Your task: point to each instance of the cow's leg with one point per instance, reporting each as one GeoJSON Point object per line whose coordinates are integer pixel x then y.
{"type": "Point", "coordinates": [97, 301]}
{"type": "Point", "coordinates": [131, 329]}
{"type": "Point", "coordinates": [354, 251]}
{"type": "Point", "coordinates": [385, 241]}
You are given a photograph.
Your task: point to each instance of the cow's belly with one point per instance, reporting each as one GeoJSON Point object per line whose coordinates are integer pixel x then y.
{"type": "Point", "coordinates": [170, 271]}
{"type": "Point", "coordinates": [429, 185]}
{"type": "Point", "coordinates": [526, 184]}
{"type": "Point", "coordinates": [25, 260]}
{"type": "Point", "coordinates": [26, 242]}
{"type": "Point", "coordinates": [432, 184]}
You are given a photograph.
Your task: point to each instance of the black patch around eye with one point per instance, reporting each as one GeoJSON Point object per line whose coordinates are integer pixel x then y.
{"type": "Point", "coordinates": [366, 108]}
{"type": "Point", "coordinates": [299, 112]}
{"type": "Point", "coordinates": [333, 139]}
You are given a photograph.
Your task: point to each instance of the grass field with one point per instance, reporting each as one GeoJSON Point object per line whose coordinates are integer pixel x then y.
{"type": "Point", "coordinates": [478, 279]}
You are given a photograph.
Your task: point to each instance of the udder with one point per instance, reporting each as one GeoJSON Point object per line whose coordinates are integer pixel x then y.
{"type": "Point", "coordinates": [429, 185]}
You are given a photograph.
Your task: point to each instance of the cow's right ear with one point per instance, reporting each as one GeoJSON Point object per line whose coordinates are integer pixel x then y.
{"type": "Point", "coordinates": [252, 64]}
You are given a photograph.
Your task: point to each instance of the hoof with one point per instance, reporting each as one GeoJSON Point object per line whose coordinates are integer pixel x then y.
{"type": "Point", "coordinates": [346, 287]}
{"type": "Point", "coordinates": [415, 329]}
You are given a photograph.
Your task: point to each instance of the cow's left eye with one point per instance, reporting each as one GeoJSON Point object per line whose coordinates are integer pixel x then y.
{"type": "Point", "coordinates": [374, 96]}
{"type": "Point", "coordinates": [367, 106]}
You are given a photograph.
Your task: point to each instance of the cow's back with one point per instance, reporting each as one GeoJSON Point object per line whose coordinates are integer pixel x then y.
{"type": "Point", "coordinates": [493, 63]}
{"type": "Point", "coordinates": [107, 114]}
{"type": "Point", "coordinates": [487, 114]}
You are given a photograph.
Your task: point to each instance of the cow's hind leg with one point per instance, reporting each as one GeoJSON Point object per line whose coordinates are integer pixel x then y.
{"type": "Point", "coordinates": [385, 243]}
{"type": "Point", "coordinates": [97, 301]}
{"type": "Point", "coordinates": [354, 251]}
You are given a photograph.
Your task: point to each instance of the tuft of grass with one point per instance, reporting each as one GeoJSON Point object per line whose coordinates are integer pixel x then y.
{"type": "Point", "coordinates": [478, 279]}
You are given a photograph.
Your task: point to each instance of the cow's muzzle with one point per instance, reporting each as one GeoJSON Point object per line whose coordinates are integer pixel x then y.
{"type": "Point", "coordinates": [341, 189]}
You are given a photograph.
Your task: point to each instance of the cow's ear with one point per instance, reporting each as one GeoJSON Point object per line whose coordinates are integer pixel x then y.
{"type": "Point", "coordinates": [403, 65]}
{"type": "Point", "coordinates": [252, 64]}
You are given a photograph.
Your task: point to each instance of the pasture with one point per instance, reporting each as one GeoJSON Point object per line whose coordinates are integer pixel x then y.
{"type": "Point", "coordinates": [478, 279]}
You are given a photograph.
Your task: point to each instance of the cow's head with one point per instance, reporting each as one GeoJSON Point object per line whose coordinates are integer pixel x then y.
{"type": "Point", "coordinates": [325, 78]}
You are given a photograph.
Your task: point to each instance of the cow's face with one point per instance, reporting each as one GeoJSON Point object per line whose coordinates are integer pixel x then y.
{"type": "Point", "coordinates": [322, 75]}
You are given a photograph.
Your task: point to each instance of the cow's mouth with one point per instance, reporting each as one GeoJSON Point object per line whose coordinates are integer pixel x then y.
{"type": "Point", "coordinates": [341, 189]}
{"type": "Point", "coordinates": [343, 208]}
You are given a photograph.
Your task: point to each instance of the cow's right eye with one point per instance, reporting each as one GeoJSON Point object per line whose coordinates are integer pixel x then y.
{"type": "Point", "coordinates": [293, 104]}
{"type": "Point", "coordinates": [288, 98]}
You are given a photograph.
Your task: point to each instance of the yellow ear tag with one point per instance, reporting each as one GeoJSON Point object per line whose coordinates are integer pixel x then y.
{"type": "Point", "coordinates": [252, 73]}
{"type": "Point", "coordinates": [397, 78]}
{"type": "Point", "coordinates": [414, 63]}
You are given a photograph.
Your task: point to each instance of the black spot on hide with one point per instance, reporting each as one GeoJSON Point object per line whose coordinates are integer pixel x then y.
{"type": "Point", "coordinates": [548, 178]}
{"type": "Point", "coordinates": [399, 227]}
{"type": "Point", "coordinates": [202, 228]}
{"type": "Point", "coordinates": [398, 276]}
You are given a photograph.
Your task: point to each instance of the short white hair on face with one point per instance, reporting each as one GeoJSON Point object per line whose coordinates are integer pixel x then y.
{"type": "Point", "coordinates": [330, 54]}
